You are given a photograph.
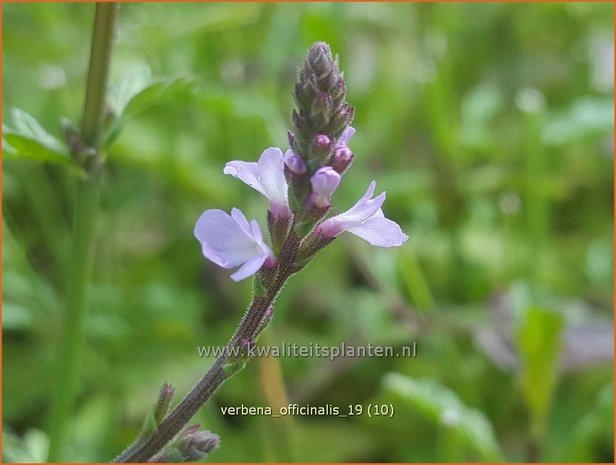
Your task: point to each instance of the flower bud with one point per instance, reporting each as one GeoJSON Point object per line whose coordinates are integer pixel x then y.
{"type": "Point", "coordinates": [194, 444]}
{"type": "Point", "coordinates": [322, 105]}
{"type": "Point", "coordinates": [342, 119]}
{"type": "Point", "coordinates": [319, 59]}
{"type": "Point", "coordinates": [338, 91]}
{"type": "Point", "coordinates": [300, 126]}
{"type": "Point", "coordinates": [294, 162]}
{"type": "Point", "coordinates": [321, 148]}
{"type": "Point", "coordinates": [324, 182]}
{"type": "Point", "coordinates": [164, 399]}
{"type": "Point", "coordinates": [293, 144]}
{"type": "Point", "coordinates": [310, 90]}
{"type": "Point", "coordinates": [298, 95]}
{"type": "Point", "coordinates": [342, 159]}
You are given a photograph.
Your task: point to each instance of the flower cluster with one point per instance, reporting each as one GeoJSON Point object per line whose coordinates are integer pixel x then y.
{"type": "Point", "coordinates": [299, 184]}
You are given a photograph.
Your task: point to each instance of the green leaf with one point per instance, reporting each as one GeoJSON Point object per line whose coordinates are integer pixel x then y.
{"type": "Point", "coordinates": [27, 139]}
{"type": "Point", "coordinates": [158, 93]}
{"type": "Point", "coordinates": [539, 342]}
{"type": "Point", "coordinates": [138, 92]}
{"type": "Point", "coordinates": [442, 406]}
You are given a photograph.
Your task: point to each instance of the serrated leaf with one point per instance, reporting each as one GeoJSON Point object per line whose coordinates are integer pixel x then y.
{"type": "Point", "coordinates": [442, 406]}
{"type": "Point", "coordinates": [27, 139]}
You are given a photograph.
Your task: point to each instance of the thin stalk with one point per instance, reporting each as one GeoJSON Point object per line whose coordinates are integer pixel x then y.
{"type": "Point", "coordinates": [250, 326]}
{"type": "Point", "coordinates": [85, 215]}
{"type": "Point", "coordinates": [416, 282]}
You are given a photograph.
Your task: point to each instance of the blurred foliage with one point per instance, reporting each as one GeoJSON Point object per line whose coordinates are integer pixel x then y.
{"type": "Point", "coordinates": [490, 128]}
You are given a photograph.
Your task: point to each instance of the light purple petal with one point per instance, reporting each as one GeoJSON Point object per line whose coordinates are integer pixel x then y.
{"type": "Point", "coordinates": [246, 172]}
{"type": "Point", "coordinates": [230, 240]}
{"type": "Point", "coordinates": [379, 232]}
{"type": "Point", "coordinates": [265, 176]}
{"type": "Point", "coordinates": [330, 228]}
{"type": "Point", "coordinates": [242, 222]}
{"type": "Point", "coordinates": [249, 268]}
{"type": "Point", "coordinates": [256, 231]}
{"type": "Point", "coordinates": [366, 220]}
{"type": "Point", "coordinates": [364, 208]}
{"type": "Point", "coordinates": [346, 137]}
{"type": "Point", "coordinates": [271, 176]}
{"type": "Point", "coordinates": [222, 239]}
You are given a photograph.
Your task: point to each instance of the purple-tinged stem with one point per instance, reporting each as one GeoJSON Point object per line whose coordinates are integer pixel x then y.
{"type": "Point", "coordinates": [213, 379]}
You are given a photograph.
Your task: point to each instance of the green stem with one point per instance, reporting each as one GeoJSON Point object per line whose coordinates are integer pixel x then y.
{"type": "Point", "coordinates": [72, 340]}
{"type": "Point", "coordinates": [537, 211]}
{"type": "Point", "coordinates": [105, 20]}
{"type": "Point", "coordinates": [85, 215]}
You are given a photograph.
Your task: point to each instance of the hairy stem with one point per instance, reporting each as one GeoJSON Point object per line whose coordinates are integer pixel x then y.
{"type": "Point", "coordinates": [213, 379]}
{"type": "Point", "coordinates": [83, 234]}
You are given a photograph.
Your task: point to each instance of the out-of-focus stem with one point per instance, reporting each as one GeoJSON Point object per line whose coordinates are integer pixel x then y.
{"type": "Point", "coordinates": [275, 393]}
{"type": "Point", "coordinates": [83, 233]}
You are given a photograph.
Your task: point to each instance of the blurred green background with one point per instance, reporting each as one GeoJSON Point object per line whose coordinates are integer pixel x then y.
{"type": "Point", "coordinates": [490, 127]}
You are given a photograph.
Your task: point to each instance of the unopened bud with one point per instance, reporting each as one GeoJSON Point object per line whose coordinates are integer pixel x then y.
{"type": "Point", "coordinates": [194, 444]}
{"type": "Point", "coordinates": [321, 148]}
{"type": "Point", "coordinates": [320, 59]}
{"type": "Point", "coordinates": [294, 162]}
{"type": "Point", "coordinates": [342, 118]}
{"type": "Point", "coordinates": [342, 159]}
{"type": "Point", "coordinates": [164, 399]}
{"type": "Point", "coordinates": [293, 144]}
{"type": "Point", "coordinates": [298, 95]}
{"type": "Point", "coordinates": [324, 183]}
{"type": "Point", "coordinates": [309, 89]}
{"type": "Point", "coordinates": [300, 125]}
{"type": "Point", "coordinates": [338, 91]}
{"type": "Point", "coordinates": [322, 105]}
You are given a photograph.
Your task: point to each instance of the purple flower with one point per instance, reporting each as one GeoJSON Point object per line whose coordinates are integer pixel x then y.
{"type": "Point", "coordinates": [267, 177]}
{"type": "Point", "coordinates": [295, 163]}
{"type": "Point", "coordinates": [230, 241]}
{"type": "Point", "coordinates": [324, 182]}
{"type": "Point", "coordinates": [366, 220]}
